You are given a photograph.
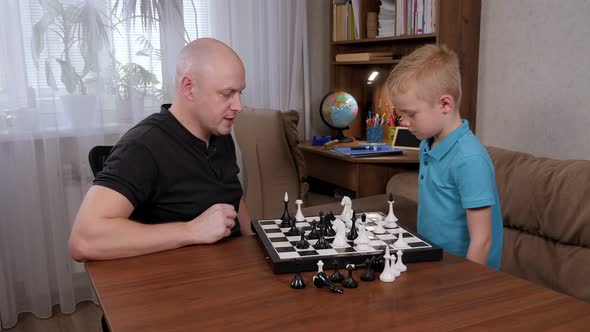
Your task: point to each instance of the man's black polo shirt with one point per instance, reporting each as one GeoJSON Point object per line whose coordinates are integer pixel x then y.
{"type": "Point", "coordinates": [168, 174]}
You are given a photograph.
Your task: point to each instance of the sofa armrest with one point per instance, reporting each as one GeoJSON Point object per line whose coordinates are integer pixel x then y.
{"type": "Point", "coordinates": [404, 209]}
{"type": "Point", "coordinates": [404, 184]}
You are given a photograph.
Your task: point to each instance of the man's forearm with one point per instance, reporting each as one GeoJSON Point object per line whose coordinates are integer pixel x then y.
{"type": "Point", "coordinates": [111, 238]}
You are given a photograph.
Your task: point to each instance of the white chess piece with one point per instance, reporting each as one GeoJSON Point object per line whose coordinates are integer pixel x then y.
{"type": "Point", "coordinates": [399, 264]}
{"type": "Point", "coordinates": [345, 215]}
{"type": "Point", "coordinates": [320, 266]}
{"type": "Point", "coordinates": [400, 243]}
{"type": "Point", "coordinates": [386, 275]}
{"type": "Point", "coordinates": [299, 215]}
{"type": "Point", "coordinates": [394, 270]}
{"type": "Point", "coordinates": [390, 220]}
{"type": "Point", "coordinates": [340, 239]}
{"type": "Point", "coordinates": [379, 228]}
{"type": "Point", "coordinates": [362, 240]}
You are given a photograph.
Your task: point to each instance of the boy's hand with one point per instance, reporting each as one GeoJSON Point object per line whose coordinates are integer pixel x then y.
{"type": "Point", "coordinates": [479, 222]}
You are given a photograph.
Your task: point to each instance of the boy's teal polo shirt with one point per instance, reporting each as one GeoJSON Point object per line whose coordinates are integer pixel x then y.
{"type": "Point", "coordinates": [455, 175]}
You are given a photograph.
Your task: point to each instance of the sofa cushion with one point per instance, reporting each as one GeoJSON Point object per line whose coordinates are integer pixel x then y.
{"type": "Point", "coordinates": [544, 197]}
{"type": "Point", "coordinates": [546, 219]}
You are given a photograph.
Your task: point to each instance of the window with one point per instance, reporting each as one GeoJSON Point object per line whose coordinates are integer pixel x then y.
{"type": "Point", "coordinates": [128, 43]}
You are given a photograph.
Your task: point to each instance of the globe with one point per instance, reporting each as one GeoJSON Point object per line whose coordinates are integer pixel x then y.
{"type": "Point", "coordinates": [338, 110]}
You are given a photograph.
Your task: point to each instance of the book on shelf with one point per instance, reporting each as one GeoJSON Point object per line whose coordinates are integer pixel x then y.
{"type": "Point", "coordinates": [365, 56]}
{"type": "Point", "coordinates": [346, 20]}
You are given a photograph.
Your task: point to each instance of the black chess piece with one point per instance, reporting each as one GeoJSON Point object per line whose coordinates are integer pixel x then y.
{"type": "Point", "coordinates": [286, 218]}
{"type": "Point", "coordinates": [363, 218]}
{"type": "Point", "coordinates": [302, 244]}
{"type": "Point", "coordinates": [336, 277]}
{"type": "Point", "coordinates": [313, 234]}
{"type": "Point", "coordinates": [322, 243]}
{"type": "Point", "coordinates": [321, 279]}
{"type": "Point", "coordinates": [294, 231]}
{"type": "Point", "coordinates": [378, 263]}
{"type": "Point", "coordinates": [349, 282]}
{"type": "Point", "coordinates": [390, 197]}
{"type": "Point", "coordinates": [369, 274]}
{"type": "Point", "coordinates": [298, 282]}
{"type": "Point", "coordinates": [353, 234]}
{"type": "Point", "coordinates": [329, 230]}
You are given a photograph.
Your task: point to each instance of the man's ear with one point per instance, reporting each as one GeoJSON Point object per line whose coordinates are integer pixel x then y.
{"type": "Point", "coordinates": [186, 86]}
{"type": "Point", "coordinates": [447, 103]}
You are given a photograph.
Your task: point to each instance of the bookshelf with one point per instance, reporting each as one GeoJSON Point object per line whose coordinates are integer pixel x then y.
{"type": "Point", "coordinates": [457, 26]}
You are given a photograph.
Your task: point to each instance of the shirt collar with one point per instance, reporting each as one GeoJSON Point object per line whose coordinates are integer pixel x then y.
{"type": "Point", "coordinates": [165, 109]}
{"type": "Point", "coordinates": [448, 142]}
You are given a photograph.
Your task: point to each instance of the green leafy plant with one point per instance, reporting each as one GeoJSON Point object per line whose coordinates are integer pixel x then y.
{"type": "Point", "coordinates": [81, 28]}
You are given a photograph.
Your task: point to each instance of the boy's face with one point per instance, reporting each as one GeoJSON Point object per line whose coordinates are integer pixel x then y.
{"type": "Point", "coordinates": [424, 119]}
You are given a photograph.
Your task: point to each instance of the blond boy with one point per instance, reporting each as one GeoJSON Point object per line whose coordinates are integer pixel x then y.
{"type": "Point", "coordinates": [458, 204]}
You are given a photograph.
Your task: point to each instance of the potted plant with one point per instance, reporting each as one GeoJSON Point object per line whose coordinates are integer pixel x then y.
{"type": "Point", "coordinates": [83, 32]}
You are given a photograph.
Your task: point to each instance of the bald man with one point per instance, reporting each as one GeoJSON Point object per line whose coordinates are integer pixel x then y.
{"type": "Point", "coordinates": [171, 180]}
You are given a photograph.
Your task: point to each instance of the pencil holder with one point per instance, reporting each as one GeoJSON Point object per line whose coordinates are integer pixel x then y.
{"type": "Point", "coordinates": [375, 134]}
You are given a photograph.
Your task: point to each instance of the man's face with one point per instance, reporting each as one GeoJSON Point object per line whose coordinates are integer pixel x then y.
{"type": "Point", "coordinates": [217, 98]}
{"type": "Point", "coordinates": [425, 120]}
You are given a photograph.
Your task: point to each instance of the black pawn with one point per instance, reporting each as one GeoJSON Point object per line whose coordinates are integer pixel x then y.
{"type": "Point", "coordinates": [321, 279]}
{"type": "Point", "coordinates": [294, 231]}
{"type": "Point", "coordinates": [322, 243]}
{"type": "Point", "coordinates": [364, 218]}
{"type": "Point", "coordinates": [286, 218]}
{"type": "Point", "coordinates": [336, 277]}
{"type": "Point", "coordinates": [349, 282]}
{"type": "Point", "coordinates": [313, 234]}
{"type": "Point", "coordinates": [378, 263]}
{"type": "Point", "coordinates": [302, 244]}
{"type": "Point", "coordinates": [298, 282]}
{"type": "Point", "coordinates": [369, 274]}
{"type": "Point", "coordinates": [353, 234]}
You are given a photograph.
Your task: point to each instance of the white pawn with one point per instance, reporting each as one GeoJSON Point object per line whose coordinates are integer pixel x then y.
{"type": "Point", "coordinates": [400, 243]}
{"type": "Point", "coordinates": [394, 268]}
{"type": "Point", "coordinates": [340, 239]}
{"type": "Point", "coordinates": [379, 228]}
{"type": "Point", "coordinates": [320, 266]}
{"type": "Point", "coordinates": [386, 275]}
{"type": "Point", "coordinates": [390, 220]}
{"type": "Point", "coordinates": [399, 264]}
{"type": "Point", "coordinates": [362, 241]}
{"type": "Point", "coordinates": [299, 215]}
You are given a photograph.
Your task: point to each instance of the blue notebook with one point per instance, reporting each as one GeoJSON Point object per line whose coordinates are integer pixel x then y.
{"type": "Point", "coordinates": [379, 150]}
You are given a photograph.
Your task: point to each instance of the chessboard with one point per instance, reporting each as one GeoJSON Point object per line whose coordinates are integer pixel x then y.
{"type": "Point", "coordinates": [285, 257]}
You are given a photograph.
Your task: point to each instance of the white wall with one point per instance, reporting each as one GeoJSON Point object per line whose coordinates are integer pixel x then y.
{"type": "Point", "coordinates": [534, 77]}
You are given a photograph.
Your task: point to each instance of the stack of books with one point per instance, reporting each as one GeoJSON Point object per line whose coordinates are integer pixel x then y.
{"type": "Point", "coordinates": [386, 19]}
{"type": "Point", "coordinates": [366, 56]}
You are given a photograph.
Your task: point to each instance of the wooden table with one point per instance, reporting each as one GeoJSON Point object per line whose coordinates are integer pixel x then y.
{"type": "Point", "coordinates": [365, 176]}
{"type": "Point", "coordinates": [230, 287]}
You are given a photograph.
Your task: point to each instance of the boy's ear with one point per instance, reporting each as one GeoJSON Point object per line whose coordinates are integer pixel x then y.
{"type": "Point", "coordinates": [446, 103]}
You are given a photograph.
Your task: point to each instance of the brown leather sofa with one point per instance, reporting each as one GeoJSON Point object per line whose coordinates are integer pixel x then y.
{"type": "Point", "coordinates": [272, 164]}
{"type": "Point", "coordinates": [546, 213]}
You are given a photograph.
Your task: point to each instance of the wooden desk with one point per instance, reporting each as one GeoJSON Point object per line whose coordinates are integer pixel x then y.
{"type": "Point", "coordinates": [365, 176]}
{"type": "Point", "coordinates": [230, 287]}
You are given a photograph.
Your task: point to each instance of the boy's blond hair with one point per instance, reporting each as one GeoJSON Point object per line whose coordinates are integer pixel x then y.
{"type": "Point", "coordinates": [434, 69]}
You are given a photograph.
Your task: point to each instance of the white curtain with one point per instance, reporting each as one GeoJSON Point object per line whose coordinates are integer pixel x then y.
{"type": "Point", "coordinates": [55, 105]}
{"type": "Point", "coordinates": [57, 102]}
{"type": "Point", "coordinates": [271, 38]}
